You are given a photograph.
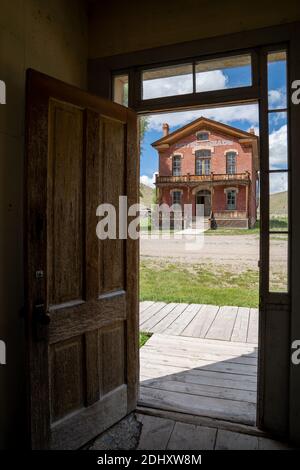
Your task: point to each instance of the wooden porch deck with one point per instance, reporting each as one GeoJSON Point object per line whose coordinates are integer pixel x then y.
{"type": "Point", "coordinates": [236, 324]}
{"type": "Point", "coordinates": [201, 360]}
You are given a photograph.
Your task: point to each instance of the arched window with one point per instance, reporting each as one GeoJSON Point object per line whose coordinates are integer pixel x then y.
{"type": "Point", "coordinates": [202, 162]}
{"type": "Point", "coordinates": [176, 165]}
{"type": "Point", "coordinates": [231, 163]}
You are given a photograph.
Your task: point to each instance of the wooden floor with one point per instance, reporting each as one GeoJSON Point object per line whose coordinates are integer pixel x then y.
{"type": "Point", "coordinates": [200, 360]}
{"type": "Point", "coordinates": [236, 324]}
{"type": "Point", "coordinates": [167, 434]}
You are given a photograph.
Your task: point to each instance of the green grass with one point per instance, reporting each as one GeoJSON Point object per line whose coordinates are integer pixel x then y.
{"type": "Point", "coordinates": [144, 338]}
{"type": "Point", "coordinates": [233, 231]}
{"type": "Point", "coordinates": [207, 284]}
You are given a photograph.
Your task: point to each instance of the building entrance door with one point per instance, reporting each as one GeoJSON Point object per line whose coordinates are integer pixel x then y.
{"type": "Point", "coordinates": [204, 197]}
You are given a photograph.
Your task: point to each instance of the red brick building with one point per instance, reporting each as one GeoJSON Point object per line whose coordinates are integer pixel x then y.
{"type": "Point", "coordinates": [207, 162]}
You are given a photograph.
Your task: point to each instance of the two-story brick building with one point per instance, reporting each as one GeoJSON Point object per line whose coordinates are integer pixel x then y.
{"type": "Point", "coordinates": [210, 163]}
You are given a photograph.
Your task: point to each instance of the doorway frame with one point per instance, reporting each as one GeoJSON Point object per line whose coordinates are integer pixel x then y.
{"type": "Point", "coordinates": [283, 307]}
{"type": "Point", "coordinates": [205, 197]}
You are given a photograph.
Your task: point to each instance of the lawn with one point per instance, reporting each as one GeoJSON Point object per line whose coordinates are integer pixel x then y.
{"type": "Point", "coordinates": [205, 284]}
{"type": "Point", "coordinates": [144, 338]}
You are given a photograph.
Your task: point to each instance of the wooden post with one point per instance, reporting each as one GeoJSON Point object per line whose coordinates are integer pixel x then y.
{"type": "Point", "coordinates": [247, 203]}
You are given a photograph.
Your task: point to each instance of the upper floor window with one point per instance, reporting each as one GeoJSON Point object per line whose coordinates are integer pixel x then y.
{"type": "Point", "coordinates": [202, 135]}
{"type": "Point", "coordinates": [231, 163]}
{"type": "Point", "coordinates": [202, 162]}
{"type": "Point", "coordinates": [202, 166]}
{"type": "Point", "coordinates": [231, 199]}
{"type": "Point", "coordinates": [176, 197]}
{"type": "Point", "coordinates": [176, 165]}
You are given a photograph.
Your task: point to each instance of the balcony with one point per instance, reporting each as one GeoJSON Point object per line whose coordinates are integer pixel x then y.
{"type": "Point", "coordinates": [214, 178]}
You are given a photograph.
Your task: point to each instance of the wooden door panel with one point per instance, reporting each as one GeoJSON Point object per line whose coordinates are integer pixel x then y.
{"type": "Point", "coordinates": [83, 365]}
{"type": "Point", "coordinates": [112, 363]}
{"type": "Point", "coordinates": [65, 204]}
{"type": "Point", "coordinates": [113, 184]}
{"type": "Point", "coordinates": [66, 377]}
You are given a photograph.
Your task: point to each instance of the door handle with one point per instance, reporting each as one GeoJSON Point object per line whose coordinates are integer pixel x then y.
{"type": "Point", "coordinates": [40, 314]}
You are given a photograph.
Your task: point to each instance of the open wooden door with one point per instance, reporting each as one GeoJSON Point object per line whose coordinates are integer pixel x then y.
{"type": "Point", "coordinates": [82, 293]}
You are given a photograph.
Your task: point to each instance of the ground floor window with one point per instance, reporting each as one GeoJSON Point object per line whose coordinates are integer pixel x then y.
{"type": "Point", "coordinates": [231, 200]}
{"type": "Point", "coordinates": [176, 197]}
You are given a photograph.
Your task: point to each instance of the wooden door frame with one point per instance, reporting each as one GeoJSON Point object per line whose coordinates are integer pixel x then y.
{"type": "Point", "coordinates": [100, 74]}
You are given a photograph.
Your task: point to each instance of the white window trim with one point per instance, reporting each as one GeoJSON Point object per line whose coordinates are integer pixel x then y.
{"type": "Point", "coordinates": [176, 154]}
{"type": "Point", "coordinates": [176, 190]}
{"type": "Point", "coordinates": [231, 151]}
{"type": "Point", "coordinates": [231, 189]}
{"type": "Point", "coordinates": [202, 132]}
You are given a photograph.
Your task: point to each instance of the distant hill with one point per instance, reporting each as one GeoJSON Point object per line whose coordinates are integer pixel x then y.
{"type": "Point", "coordinates": [146, 195]}
{"type": "Point", "coordinates": [278, 203]}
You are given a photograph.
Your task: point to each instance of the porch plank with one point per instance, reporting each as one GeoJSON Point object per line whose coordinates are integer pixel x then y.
{"type": "Point", "coordinates": [235, 411]}
{"type": "Point", "coordinates": [223, 324]}
{"type": "Point", "coordinates": [253, 326]}
{"type": "Point", "coordinates": [169, 319]}
{"type": "Point", "coordinates": [182, 386]}
{"type": "Point", "coordinates": [150, 311]}
{"type": "Point", "coordinates": [190, 437]}
{"type": "Point", "coordinates": [156, 433]}
{"type": "Point", "coordinates": [240, 329]}
{"type": "Point", "coordinates": [145, 304]}
{"type": "Point", "coordinates": [196, 364]}
{"type": "Point", "coordinates": [149, 324]}
{"type": "Point", "coordinates": [200, 325]}
{"type": "Point", "coordinates": [183, 320]}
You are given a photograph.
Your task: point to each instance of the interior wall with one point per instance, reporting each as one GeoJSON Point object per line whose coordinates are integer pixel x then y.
{"type": "Point", "coordinates": [117, 27]}
{"type": "Point", "coordinates": [49, 36]}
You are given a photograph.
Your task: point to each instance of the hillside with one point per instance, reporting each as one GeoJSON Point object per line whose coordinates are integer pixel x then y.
{"type": "Point", "coordinates": [146, 195]}
{"type": "Point", "coordinates": [278, 203]}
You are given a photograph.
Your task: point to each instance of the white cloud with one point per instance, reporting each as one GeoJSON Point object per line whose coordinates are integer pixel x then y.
{"type": "Point", "coordinates": [278, 182]}
{"type": "Point", "coordinates": [168, 86]}
{"type": "Point", "coordinates": [211, 80]}
{"type": "Point", "coordinates": [278, 148]}
{"type": "Point", "coordinates": [148, 180]}
{"type": "Point", "coordinates": [277, 98]}
{"type": "Point", "coordinates": [182, 84]}
{"type": "Point", "coordinates": [244, 113]}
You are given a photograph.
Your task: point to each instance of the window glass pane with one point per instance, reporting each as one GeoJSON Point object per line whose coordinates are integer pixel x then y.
{"type": "Point", "coordinates": [176, 163]}
{"type": "Point", "coordinates": [203, 153]}
{"type": "Point", "coordinates": [277, 80]}
{"type": "Point", "coordinates": [278, 201]}
{"type": "Point", "coordinates": [167, 81]}
{"type": "Point", "coordinates": [278, 151]}
{"type": "Point", "coordinates": [120, 89]}
{"type": "Point", "coordinates": [231, 200]}
{"type": "Point", "coordinates": [231, 163]}
{"type": "Point", "coordinates": [226, 72]}
{"type": "Point", "coordinates": [202, 136]}
{"type": "Point", "coordinates": [176, 197]}
{"type": "Point", "coordinates": [278, 269]}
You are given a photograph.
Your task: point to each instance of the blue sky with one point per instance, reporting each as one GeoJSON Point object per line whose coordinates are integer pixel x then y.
{"type": "Point", "coordinates": [243, 117]}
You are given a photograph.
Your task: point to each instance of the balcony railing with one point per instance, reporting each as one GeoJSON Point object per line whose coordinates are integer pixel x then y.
{"type": "Point", "coordinates": [212, 177]}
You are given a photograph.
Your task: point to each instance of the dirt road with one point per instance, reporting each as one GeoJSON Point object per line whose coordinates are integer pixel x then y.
{"type": "Point", "coordinates": [236, 250]}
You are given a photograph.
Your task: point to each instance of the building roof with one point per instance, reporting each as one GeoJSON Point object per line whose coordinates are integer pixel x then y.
{"type": "Point", "coordinates": [204, 123]}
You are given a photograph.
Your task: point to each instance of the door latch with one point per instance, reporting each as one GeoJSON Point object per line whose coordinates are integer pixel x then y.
{"type": "Point", "coordinates": [40, 315]}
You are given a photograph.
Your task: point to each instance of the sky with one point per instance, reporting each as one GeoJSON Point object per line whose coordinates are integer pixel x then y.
{"type": "Point", "coordinates": [243, 117]}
